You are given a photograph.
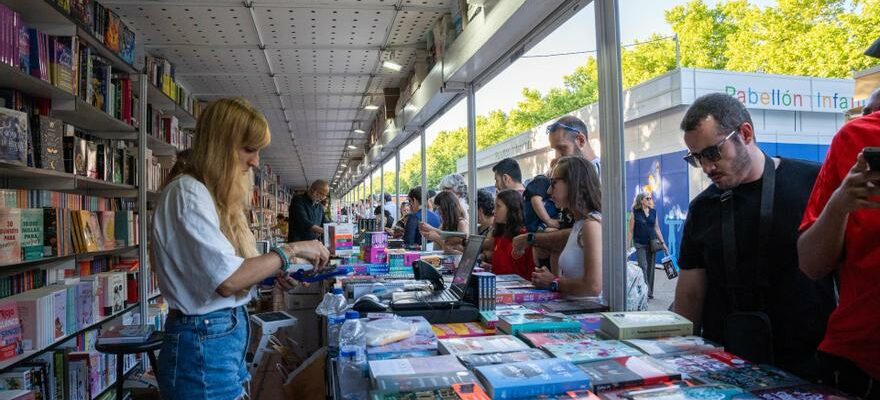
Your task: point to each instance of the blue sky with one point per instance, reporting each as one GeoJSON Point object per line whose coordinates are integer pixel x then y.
{"type": "Point", "coordinates": [639, 19]}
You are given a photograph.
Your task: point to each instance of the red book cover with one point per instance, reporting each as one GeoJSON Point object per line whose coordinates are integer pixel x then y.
{"type": "Point", "coordinates": [10, 330]}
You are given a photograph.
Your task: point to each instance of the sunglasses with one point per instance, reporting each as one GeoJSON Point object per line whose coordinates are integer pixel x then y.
{"type": "Point", "coordinates": [560, 125]}
{"type": "Point", "coordinates": [711, 153]}
{"type": "Point", "coordinates": [649, 198]}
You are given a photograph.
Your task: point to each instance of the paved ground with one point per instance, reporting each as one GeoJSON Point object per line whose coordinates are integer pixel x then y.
{"type": "Point", "coordinates": [664, 291]}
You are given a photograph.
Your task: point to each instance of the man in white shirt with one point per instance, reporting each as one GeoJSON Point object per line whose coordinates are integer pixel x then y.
{"type": "Point", "coordinates": [391, 207]}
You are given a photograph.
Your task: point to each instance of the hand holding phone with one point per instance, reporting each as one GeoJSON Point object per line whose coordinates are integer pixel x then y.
{"type": "Point", "coordinates": [872, 157]}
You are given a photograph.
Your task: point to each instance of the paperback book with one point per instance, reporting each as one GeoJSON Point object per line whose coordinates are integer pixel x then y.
{"type": "Point", "coordinates": [539, 340]}
{"type": "Point", "coordinates": [803, 392]}
{"type": "Point", "coordinates": [530, 379]}
{"type": "Point", "coordinates": [674, 345]}
{"type": "Point", "coordinates": [120, 334]}
{"type": "Point", "coordinates": [589, 322]}
{"type": "Point", "coordinates": [535, 322]}
{"type": "Point", "coordinates": [31, 233]}
{"type": "Point", "coordinates": [481, 345]}
{"type": "Point", "coordinates": [690, 364]}
{"type": "Point", "coordinates": [700, 392]}
{"type": "Point", "coordinates": [644, 325]}
{"type": "Point", "coordinates": [587, 352]}
{"type": "Point", "coordinates": [13, 136]}
{"type": "Point", "coordinates": [457, 391]}
{"type": "Point", "coordinates": [472, 361]}
{"type": "Point", "coordinates": [626, 372]}
{"type": "Point", "coordinates": [566, 306]}
{"type": "Point", "coordinates": [459, 330]}
{"type": "Point", "coordinates": [752, 377]}
{"type": "Point", "coordinates": [417, 374]}
{"type": "Point", "coordinates": [489, 318]}
{"type": "Point", "coordinates": [10, 236]}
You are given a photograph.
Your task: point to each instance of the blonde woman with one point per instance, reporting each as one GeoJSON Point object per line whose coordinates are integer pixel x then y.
{"type": "Point", "coordinates": [206, 259]}
{"type": "Point", "coordinates": [644, 233]}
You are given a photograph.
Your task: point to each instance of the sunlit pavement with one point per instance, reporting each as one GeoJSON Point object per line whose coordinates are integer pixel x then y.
{"type": "Point", "coordinates": [664, 290]}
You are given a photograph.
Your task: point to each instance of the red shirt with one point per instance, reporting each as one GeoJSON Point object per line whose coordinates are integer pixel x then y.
{"type": "Point", "coordinates": [504, 263]}
{"type": "Point", "coordinates": [854, 327]}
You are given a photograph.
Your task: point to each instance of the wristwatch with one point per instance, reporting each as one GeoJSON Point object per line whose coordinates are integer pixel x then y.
{"type": "Point", "coordinates": [285, 261]}
{"type": "Point", "coordinates": [530, 239]}
{"type": "Point", "coordinates": [554, 286]}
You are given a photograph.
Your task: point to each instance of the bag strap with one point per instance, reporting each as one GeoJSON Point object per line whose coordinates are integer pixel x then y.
{"type": "Point", "coordinates": [728, 235]}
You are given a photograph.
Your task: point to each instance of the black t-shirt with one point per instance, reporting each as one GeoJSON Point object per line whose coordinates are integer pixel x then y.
{"type": "Point", "coordinates": [798, 307]}
{"type": "Point", "coordinates": [537, 187]}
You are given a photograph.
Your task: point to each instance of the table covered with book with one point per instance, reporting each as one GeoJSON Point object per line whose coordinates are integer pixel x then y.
{"type": "Point", "coordinates": [530, 343]}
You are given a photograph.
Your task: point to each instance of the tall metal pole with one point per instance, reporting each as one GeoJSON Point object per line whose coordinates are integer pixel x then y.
{"type": "Point", "coordinates": [397, 183]}
{"type": "Point", "coordinates": [472, 158]}
{"type": "Point", "coordinates": [381, 226]}
{"type": "Point", "coordinates": [611, 124]}
{"type": "Point", "coordinates": [677, 51]}
{"type": "Point", "coordinates": [145, 270]}
{"type": "Point", "coordinates": [424, 200]}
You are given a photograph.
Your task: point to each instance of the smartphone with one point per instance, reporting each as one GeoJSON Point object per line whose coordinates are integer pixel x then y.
{"type": "Point", "coordinates": [872, 156]}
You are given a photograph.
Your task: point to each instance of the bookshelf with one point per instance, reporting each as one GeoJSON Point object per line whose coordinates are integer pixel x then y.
{"type": "Point", "coordinates": [70, 108]}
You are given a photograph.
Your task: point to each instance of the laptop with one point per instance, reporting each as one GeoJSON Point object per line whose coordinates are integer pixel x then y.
{"type": "Point", "coordinates": [455, 293]}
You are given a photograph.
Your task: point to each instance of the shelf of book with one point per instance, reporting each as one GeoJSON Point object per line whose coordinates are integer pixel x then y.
{"type": "Point", "coordinates": [27, 355]}
{"type": "Point", "coordinates": [120, 250]}
{"type": "Point", "coordinates": [168, 106]}
{"type": "Point", "coordinates": [20, 176]}
{"type": "Point", "coordinates": [77, 256]}
{"type": "Point", "coordinates": [31, 263]}
{"type": "Point", "coordinates": [86, 116]}
{"type": "Point", "coordinates": [47, 17]}
{"type": "Point", "coordinates": [112, 385]}
{"type": "Point", "coordinates": [12, 78]}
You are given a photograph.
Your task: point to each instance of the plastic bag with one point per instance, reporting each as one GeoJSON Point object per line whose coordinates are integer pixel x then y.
{"type": "Point", "coordinates": [384, 331]}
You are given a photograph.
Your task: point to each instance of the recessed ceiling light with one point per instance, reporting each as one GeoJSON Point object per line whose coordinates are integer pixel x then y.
{"type": "Point", "coordinates": [343, 165]}
{"type": "Point", "coordinates": [352, 147]}
{"type": "Point", "coordinates": [371, 107]}
{"type": "Point", "coordinates": [392, 65]}
{"type": "Point", "coordinates": [360, 131]}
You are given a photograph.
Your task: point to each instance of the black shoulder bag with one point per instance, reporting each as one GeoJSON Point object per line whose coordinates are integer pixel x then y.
{"type": "Point", "coordinates": [748, 332]}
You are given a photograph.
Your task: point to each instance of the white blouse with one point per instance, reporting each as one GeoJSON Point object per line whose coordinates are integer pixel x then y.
{"type": "Point", "coordinates": [192, 256]}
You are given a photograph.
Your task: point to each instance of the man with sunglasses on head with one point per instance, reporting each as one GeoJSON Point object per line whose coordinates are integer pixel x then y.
{"type": "Point", "coordinates": [740, 283]}
{"type": "Point", "coordinates": [568, 136]}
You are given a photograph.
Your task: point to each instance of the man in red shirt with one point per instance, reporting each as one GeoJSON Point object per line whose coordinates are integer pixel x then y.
{"type": "Point", "coordinates": [841, 234]}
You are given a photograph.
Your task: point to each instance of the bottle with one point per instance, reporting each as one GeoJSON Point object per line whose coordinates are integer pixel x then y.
{"type": "Point", "coordinates": [333, 302]}
{"type": "Point", "coordinates": [352, 361]}
{"type": "Point", "coordinates": [334, 325]}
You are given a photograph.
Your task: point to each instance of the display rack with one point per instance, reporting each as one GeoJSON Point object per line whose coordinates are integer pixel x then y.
{"type": "Point", "coordinates": [68, 107]}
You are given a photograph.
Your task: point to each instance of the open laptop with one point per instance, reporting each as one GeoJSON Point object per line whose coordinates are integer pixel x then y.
{"type": "Point", "coordinates": [456, 291]}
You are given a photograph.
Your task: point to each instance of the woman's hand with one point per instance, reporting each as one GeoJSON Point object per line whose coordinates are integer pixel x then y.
{"type": "Point", "coordinates": [519, 245]}
{"type": "Point", "coordinates": [310, 250]}
{"type": "Point", "coordinates": [429, 232]}
{"type": "Point", "coordinates": [542, 277]}
{"type": "Point", "coordinates": [285, 281]}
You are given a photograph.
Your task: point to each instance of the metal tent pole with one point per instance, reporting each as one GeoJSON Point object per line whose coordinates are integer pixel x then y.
{"type": "Point", "coordinates": [472, 157]}
{"type": "Point", "coordinates": [611, 125]}
{"type": "Point", "coordinates": [424, 199]}
{"type": "Point", "coordinates": [145, 270]}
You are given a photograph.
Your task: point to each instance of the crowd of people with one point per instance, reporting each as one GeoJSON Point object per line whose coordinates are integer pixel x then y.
{"type": "Point", "coordinates": [779, 258]}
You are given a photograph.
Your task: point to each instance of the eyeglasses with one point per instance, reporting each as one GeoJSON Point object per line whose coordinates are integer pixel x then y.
{"type": "Point", "coordinates": [560, 125]}
{"type": "Point", "coordinates": [649, 198]}
{"type": "Point", "coordinates": [711, 153]}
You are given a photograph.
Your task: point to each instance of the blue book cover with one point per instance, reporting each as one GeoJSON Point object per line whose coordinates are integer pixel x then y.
{"type": "Point", "coordinates": [532, 378]}
{"type": "Point", "coordinates": [536, 322]}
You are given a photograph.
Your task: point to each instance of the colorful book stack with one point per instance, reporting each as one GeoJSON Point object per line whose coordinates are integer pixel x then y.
{"type": "Point", "coordinates": [160, 73]}
{"type": "Point", "coordinates": [514, 324]}
{"type": "Point", "coordinates": [373, 248]}
{"type": "Point", "coordinates": [461, 330]}
{"type": "Point", "coordinates": [483, 290]}
{"type": "Point", "coordinates": [340, 238]}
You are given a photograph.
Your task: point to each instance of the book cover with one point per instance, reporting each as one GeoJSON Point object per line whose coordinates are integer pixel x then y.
{"type": "Point", "coordinates": [446, 393]}
{"type": "Point", "coordinates": [587, 352]}
{"type": "Point", "coordinates": [541, 339]}
{"type": "Point", "coordinates": [62, 64]}
{"type": "Point", "coordinates": [75, 154]}
{"type": "Point", "coordinates": [13, 136]}
{"type": "Point", "coordinates": [112, 32]}
{"type": "Point", "coordinates": [48, 149]}
{"type": "Point", "coordinates": [94, 239]}
{"type": "Point", "coordinates": [10, 330]}
{"type": "Point", "coordinates": [645, 325]}
{"type": "Point", "coordinates": [107, 221]}
{"type": "Point", "coordinates": [489, 318]}
{"type": "Point", "coordinates": [113, 287]}
{"type": "Point", "coordinates": [804, 392]}
{"type": "Point", "coordinates": [127, 45]}
{"type": "Point", "coordinates": [684, 392]}
{"type": "Point", "coordinates": [418, 373]}
{"type": "Point", "coordinates": [52, 231]}
{"type": "Point", "coordinates": [121, 229]}
{"type": "Point", "coordinates": [59, 315]}
{"type": "Point", "coordinates": [530, 379]}
{"type": "Point", "coordinates": [481, 345]}
{"type": "Point", "coordinates": [625, 393]}
{"type": "Point", "coordinates": [690, 364]}
{"type": "Point", "coordinates": [752, 377]}
{"type": "Point", "coordinates": [627, 372]}
{"type": "Point", "coordinates": [674, 345]}
{"type": "Point", "coordinates": [115, 334]}
{"type": "Point", "coordinates": [472, 361]}
{"type": "Point", "coordinates": [91, 159]}
{"type": "Point", "coordinates": [82, 10]}
{"type": "Point", "coordinates": [566, 306]}
{"type": "Point", "coordinates": [31, 233]}
{"type": "Point", "coordinates": [535, 322]}
{"type": "Point", "coordinates": [467, 329]}
{"type": "Point", "coordinates": [10, 235]}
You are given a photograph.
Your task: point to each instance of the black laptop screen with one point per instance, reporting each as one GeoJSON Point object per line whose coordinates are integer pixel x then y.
{"type": "Point", "coordinates": [467, 262]}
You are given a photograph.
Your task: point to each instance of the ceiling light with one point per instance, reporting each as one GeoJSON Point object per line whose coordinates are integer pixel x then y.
{"type": "Point", "coordinates": [360, 131]}
{"type": "Point", "coordinates": [352, 147]}
{"type": "Point", "coordinates": [392, 65]}
{"type": "Point", "coordinates": [371, 107]}
{"type": "Point", "coordinates": [343, 165]}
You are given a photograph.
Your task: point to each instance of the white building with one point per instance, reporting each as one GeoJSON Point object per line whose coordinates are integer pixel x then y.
{"type": "Point", "coordinates": [794, 117]}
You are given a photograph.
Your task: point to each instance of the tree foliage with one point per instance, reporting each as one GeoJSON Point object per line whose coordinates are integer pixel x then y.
{"type": "Point", "coordinates": [821, 38]}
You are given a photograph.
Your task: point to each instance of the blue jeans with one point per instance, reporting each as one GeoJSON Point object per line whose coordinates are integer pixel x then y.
{"type": "Point", "coordinates": [203, 356]}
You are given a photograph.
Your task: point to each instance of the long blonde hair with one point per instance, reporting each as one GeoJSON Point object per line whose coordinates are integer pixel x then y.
{"type": "Point", "coordinates": [225, 127]}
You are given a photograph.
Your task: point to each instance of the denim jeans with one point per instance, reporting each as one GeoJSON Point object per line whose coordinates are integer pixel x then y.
{"type": "Point", "coordinates": [646, 259]}
{"type": "Point", "coordinates": [203, 356]}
